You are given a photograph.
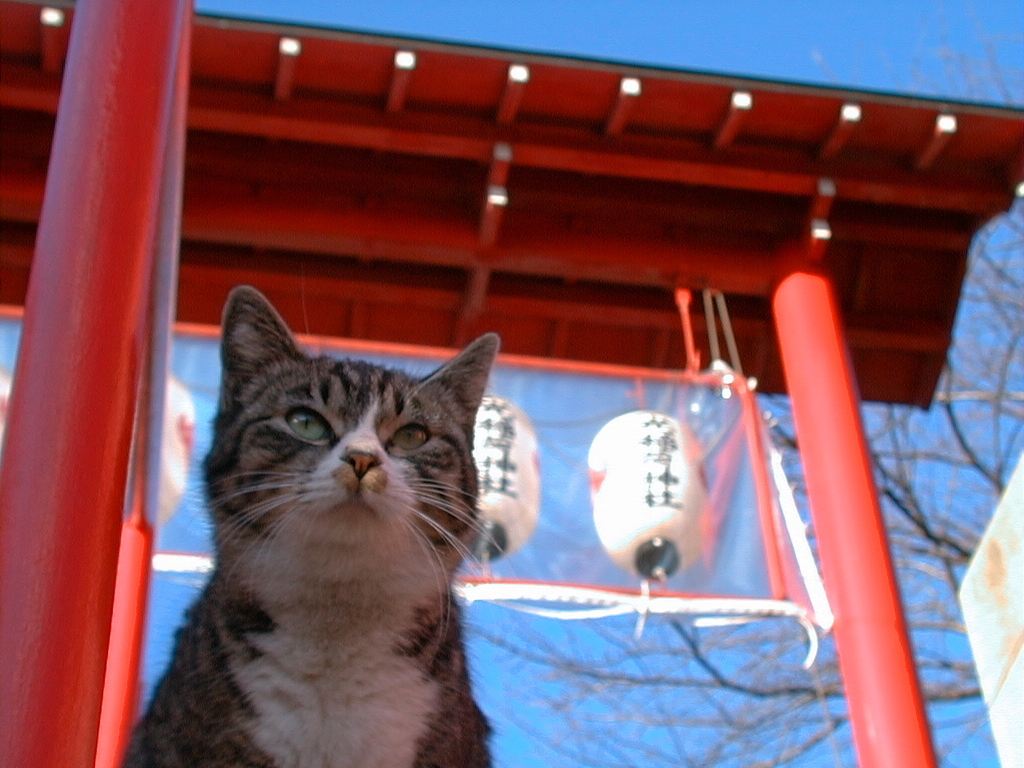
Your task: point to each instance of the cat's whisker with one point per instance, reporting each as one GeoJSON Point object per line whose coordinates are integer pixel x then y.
{"type": "Point", "coordinates": [256, 509]}
{"type": "Point", "coordinates": [442, 576]}
{"type": "Point", "coordinates": [444, 533]}
{"type": "Point", "coordinates": [438, 495]}
{"type": "Point", "coordinates": [289, 480]}
{"type": "Point", "coordinates": [455, 511]}
{"type": "Point", "coordinates": [445, 486]}
{"type": "Point", "coordinates": [275, 529]}
{"type": "Point", "coordinates": [295, 481]}
{"type": "Point", "coordinates": [456, 508]}
{"type": "Point", "coordinates": [440, 572]}
{"type": "Point", "coordinates": [242, 522]}
{"type": "Point", "coordinates": [289, 507]}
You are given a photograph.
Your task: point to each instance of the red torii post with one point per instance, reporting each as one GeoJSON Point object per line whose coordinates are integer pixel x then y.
{"type": "Point", "coordinates": [81, 367]}
{"type": "Point", "coordinates": [882, 689]}
{"type": "Point", "coordinates": [124, 655]}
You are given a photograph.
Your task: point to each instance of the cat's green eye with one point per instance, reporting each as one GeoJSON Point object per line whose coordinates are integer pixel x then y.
{"type": "Point", "coordinates": [410, 437]}
{"type": "Point", "coordinates": [308, 424]}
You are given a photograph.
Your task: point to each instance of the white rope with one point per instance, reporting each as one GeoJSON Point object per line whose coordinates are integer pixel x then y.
{"type": "Point", "coordinates": [176, 562]}
{"type": "Point", "coordinates": [730, 337]}
{"type": "Point", "coordinates": [709, 321]}
{"type": "Point", "coordinates": [643, 610]}
{"type": "Point", "coordinates": [711, 611]}
{"type": "Point", "coordinates": [798, 540]}
{"type": "Point", "coordinates": [715, 301]}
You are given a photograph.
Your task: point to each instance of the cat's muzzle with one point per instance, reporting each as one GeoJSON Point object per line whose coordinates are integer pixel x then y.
{"type": "Point", "coordinates": [361, 470]}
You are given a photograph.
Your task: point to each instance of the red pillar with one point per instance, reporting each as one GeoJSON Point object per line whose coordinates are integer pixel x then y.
{"type": "Point", "coordinates": [82, 354]}
{"type": "Point", "coordinates": [121, 686]}
{"type": "Point", "coordinates": [124, 655]}
{"type": "Point", "coordinates": [882, 690]}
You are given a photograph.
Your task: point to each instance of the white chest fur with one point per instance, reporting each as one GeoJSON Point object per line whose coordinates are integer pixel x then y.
{"type": "Point", "coordinates": [354, 705]}
{"type": "Point", "coordinates": [331, 687]}
{"type": "Point", "coordinates": [343, 583]}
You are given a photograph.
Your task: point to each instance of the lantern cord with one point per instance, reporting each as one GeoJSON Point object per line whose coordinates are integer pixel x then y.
{"type": "Point", "coordinates": [808, 627]}
{"type": "Point", "coordinates": [643, 609]}
{"type": "Point", "coordinates": [709, 320]}
{"type": "Point", "coordinates": [714, 301]}
{"type": "Point", "coordinates": [566, 614]}
{"type": "Point", "coordinates": [794, 526]}
{"type": "Point", "coordinates": [730, 337]}
{"type": "Point", "coordinates": [812, 642]}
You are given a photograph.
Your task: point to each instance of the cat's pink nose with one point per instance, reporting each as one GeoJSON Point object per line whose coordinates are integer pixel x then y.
{"type": "Point", "coordinates": [361, 461]}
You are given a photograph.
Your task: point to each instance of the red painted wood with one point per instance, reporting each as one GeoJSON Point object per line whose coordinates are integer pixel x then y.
{"type": "Point", "coordinates": [330, 175]}
{"type": "Point", "coordinates": [121, 685]}
{"type": "Point", "coordinates": [889, 723]}
{"type": "Point", "coordinates": [124, 655]}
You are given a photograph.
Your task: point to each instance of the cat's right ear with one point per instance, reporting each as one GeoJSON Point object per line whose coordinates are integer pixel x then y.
{"type": "Point", "coordinates": [253, 335]}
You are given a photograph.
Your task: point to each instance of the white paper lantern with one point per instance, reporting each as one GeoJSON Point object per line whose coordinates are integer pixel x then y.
{"type": "Point", "coordinates": [505, 451]}
{"type": "Point", "coordinates": [648, 493]}
{"type": "Point", "coordinates": [177, 444]}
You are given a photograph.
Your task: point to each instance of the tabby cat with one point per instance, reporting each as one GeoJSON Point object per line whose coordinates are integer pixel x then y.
{"type": "Point", "coordinates": [343, 497]}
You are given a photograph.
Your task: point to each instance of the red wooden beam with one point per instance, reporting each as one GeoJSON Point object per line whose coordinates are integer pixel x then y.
{"type": "Point", "coordinates": [288, 51]}
{"type": "Point", "coordinates": [824, 197]}
{"type": "Point", "coordinates": [629, 91]}
{"type": "Point", "coordinates": [496, 195]}
{"type": "Point", "coordinates": [54, 32]}
{"type": "Point", "coordinates": [945, 127]}
{"type": "Point", "coordinates": [820, 232]}
{"type": "Point", "coordinates": [495, 202]}
{"type": "Point", "coordinates": [889, 723]}
{"type": "Point", "coordinates": [72, 411]}
{"type": "Point", "coordinates": [512, 96]}
{"type": "Point", "coordinates": [740, 104]}
{"type": "Point", "coordinates": [237, 113]}
{"type": "Point", "coordinates": [401, 76]}
{"type": "Point", "coordinates": [849, 117]}
{"type": "Point", "coordinates": [501, 162]}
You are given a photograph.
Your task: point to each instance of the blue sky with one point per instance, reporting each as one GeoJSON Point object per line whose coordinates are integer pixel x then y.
{"type": "Point", "coordinates": [890, 45]}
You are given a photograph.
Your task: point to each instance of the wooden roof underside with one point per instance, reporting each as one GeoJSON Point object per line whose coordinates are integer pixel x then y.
{"type": "Point", "coordinates": [366, 199]}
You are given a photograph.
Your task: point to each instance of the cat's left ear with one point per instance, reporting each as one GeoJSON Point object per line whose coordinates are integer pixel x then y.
{"type": "Point", "coordinates": [465, 375]}
{"type": "Point", "coordinates": [253, 335]}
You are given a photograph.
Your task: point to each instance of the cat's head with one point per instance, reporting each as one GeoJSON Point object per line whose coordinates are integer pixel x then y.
{"type": "Point", "coordinates": [310, 451]}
